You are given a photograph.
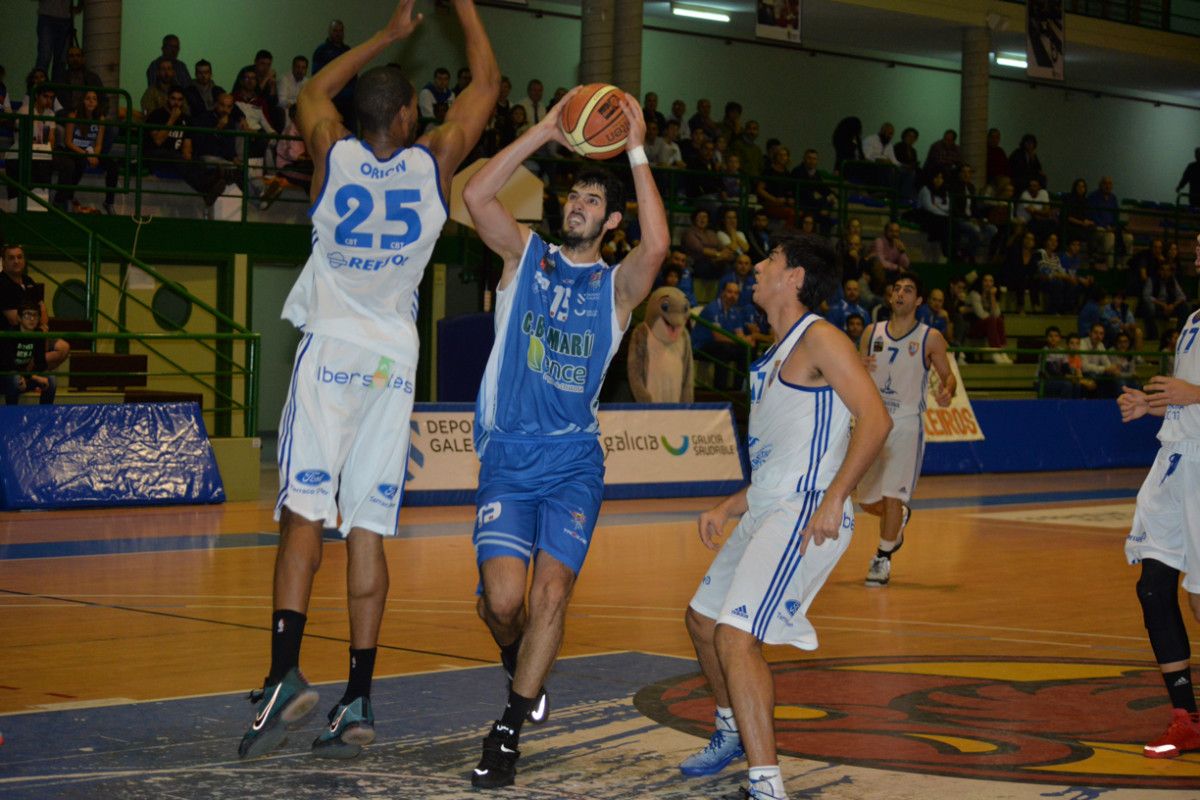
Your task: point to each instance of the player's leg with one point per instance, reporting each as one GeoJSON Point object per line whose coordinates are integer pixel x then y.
{"type": "Point", "coordinates": [752, 692]}
{"type": "Point", "coordinates": [898, 465]}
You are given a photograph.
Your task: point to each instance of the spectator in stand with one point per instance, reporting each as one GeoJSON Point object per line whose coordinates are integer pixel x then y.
{"type": "Point", "coordinates": [220, 150]}
{"type": "Point", "coordinates": [535, 109]}
{"type": "Point", "coordinates": [1073, 263]}
{"type": "Point", "coordinates": [999, 211]}
{"type": "Point", "coordinates": [703, 119]}
{"type": "Point", "coordinates": [725, 348]}
{"type": "Point", "coordinates": [1075, 362]}
{"type": "Point", "coordinates": [333, 46]}
{"type": "Point", "coordinates": [1127, 365]}
{"type": "Point", "coordinates": [933, 211]}
{"type": "Point", "coordinates": [879, 147]}
{"type": "Point", "coordinates": [1145, 264]}
{"type": "Point", "coordinates": [743, 275]}
{"type": "Point", "coordinates": [155, 97]}
{"type": "Point", "coordinates": [255, 107]}
{"type": "Point", "coordinates": [957, 309]}
{"type": "Point", "coordinates": [77, 74]}
{"type": "Point", "coordinates": [850, 256]}
{"type": "Point", "coordinates": [651, 113]}
{"type": "Point", "coordinates": [668, 153]}
{"type": "Point", "coordinates": [677, 262]}
{"type": "Point", "coordinates": [203, 93]}
{"type": "Point", "coordinates": [882, 310]}
{"type": "Point", "coordinates": [26, 360]}
{"type": "Point", "coordinates": [1109, 240]}
{"type": "Point", "coordinates": [33, 80]}
{"type": "Point", "coordinates": [1166, 348]}
{"type": "Point", "coordinates": [1162, 300]}
{"type": "Point", "coordinates": [170, 55]}
{"type": "Point", "coordinates": [841, 310]}
{"type": "Point", "coordinates": [1058, 287]}
{"type": "Point", "coordinates": [434, 92]}
{"type": "Point", "coordinates": [690, 149]}
{"type": "Point", "coordinates": [1191, 179]}
{"type": "Point", "coordinates": [847, 142]}
{"type": "Point", "coordinates": [729, 235]}
{"type": "Point", "coordinates": [776, 190]}
{"type": "Point", "coordinates": [905, 152]}
{"type": "Point", "coordinates": [1056, 373]}
{"type": "Point", "coordinates": [267, 83]}
{"type": "Point", "coordinates": [84, 141]}
{"type": "Point", "coordinates": [938, 317]}
{"type": "Point", "coordinates": [855, 325]}
{"type": "Point", "coordinates": [731, 123]}
{"type": "Point", "coordinates": [731, 182]}
{"type": "Point", "coordinates": [1098, 366]}
{"type": "Point", "coordinates": [760, 236]}
{"type": "Point", "coordinates": [616, 246]}
{"type": "Point", "coordinates": [655, 146]}
{"type": "Point", "coordinates": [749, 153]}
{"type": "Point", "coordinates": [974, 231]}
{"type": "Point", "coordinates": [292, 160]}
{"type": "Point", "coordinates": [518, 123]}
{"type": "Point", "coordinates": [813, 197]}
{"type": "Point", "coordinates": [169, 149]}
{"type": "Point", "coordinates": [944, 155]}
{"type": "Point", "coordinates": [6, 125]}
{"type": "Point", "coordinates": [986, 318]}
{"type": "Point", "coordinates": [1033, 206]}
{"type": "Point", "coordinates": [1021, 269]}
{"type": "Point", "coordinates": [1089, 313]}
{"type": "Point", "coordinates": [461, 81]}
{"type": "Point", "coordinates": [997, 161]}
{"type": "Point", "coordinates": [1024, 164]}
{"type": "Point", "coordinates": [679, 114]}
{"type": "Point", "coordinates": [889, 255]}
{"type": "Point", "coordinates": [17, 291]}
{"type": "Point", "coordinates": [291, 84]}
{"type": "Point", "coordinates": [45, 139]}
{"type": "Point", "coordinates": [54, 26]}
{"type": "Point", "coordinates": [1117, 318]}
{"type": "Point", "coordinates": [700, 242]}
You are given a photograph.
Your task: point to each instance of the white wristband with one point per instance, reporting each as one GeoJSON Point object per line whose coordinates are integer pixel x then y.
{"type": "Point", "coordinates": [638, 156]}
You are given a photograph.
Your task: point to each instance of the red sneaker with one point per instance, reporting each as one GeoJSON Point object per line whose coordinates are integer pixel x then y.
{"type": "Point", "coordinates": [1181, 736]}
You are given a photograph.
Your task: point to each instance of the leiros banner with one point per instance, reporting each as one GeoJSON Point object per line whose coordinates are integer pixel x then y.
{"type": "Point", "coordinates": [649, 451]}
{"type": "Point", "coordinates": [956, 422]}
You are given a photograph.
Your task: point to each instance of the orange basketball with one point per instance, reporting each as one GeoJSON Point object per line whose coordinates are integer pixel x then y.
{"type": "Point", "coordinates": [593, 122]}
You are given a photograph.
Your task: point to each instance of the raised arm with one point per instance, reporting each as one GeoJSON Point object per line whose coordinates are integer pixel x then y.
{"type": "Point", "coordinates": [316, 116]}
{"type": "Point", "coordinates": [636, 276]}
{"type": "Point", "coordinates": [451, 141]}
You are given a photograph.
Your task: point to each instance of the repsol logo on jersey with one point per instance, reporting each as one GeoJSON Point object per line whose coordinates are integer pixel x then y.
{"type": "Point", "coordinates": [339, 260]}
{"type": "Point", "coordinates": [369, 170]}
{"type": "Point", "coordinates": [364, 380]}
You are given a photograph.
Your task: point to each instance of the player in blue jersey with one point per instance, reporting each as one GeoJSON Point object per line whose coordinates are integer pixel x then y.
{"type": "Point", "coordinates": [560, 315]}
{"type": "Point", "coordinates": [796, 514]}
{"type": "Point", "coordinates": [379, 203]}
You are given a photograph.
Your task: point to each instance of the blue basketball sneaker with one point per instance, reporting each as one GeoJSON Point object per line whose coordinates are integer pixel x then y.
{"type": "Point", "coordinates": [351, 727]}
{"type": "Point", "coordinates": [279, 705]}
{"type": "Point", "coordinates": [723, 748]}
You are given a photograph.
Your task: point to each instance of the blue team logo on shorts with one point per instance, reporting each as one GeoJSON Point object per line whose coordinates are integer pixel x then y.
{"type": "Point", "coordinates": [792, 607]}
{"type": "Point", "coordinates": [312, 477]}
{"type": "Point", "coordinates": [388, 490]}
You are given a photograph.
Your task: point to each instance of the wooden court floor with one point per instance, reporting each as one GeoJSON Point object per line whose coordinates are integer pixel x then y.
{"type": "Point", "coordinates": [1010, 629]}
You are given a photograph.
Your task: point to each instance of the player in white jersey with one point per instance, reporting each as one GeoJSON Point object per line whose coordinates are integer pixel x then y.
{"type": "Point", "coordinates": [796, 513]}
{"type": "Point", "coordinates": [1165, 537]}
{"type": "Point", "coordinates": [379, 203]}
{"type": "Point", "coordinates": [898, 353]}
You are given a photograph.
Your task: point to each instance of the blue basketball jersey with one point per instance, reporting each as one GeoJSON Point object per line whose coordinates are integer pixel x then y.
{"type": "Point", "coordinates": [556, 332]}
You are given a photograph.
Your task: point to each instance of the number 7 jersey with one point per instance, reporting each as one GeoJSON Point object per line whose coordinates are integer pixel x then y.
{"type": "Point", "coordinates": [375, 224]}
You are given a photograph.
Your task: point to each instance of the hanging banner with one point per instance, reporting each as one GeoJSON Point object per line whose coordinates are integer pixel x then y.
{"type": "Point", "coordinates": [662, 450]}
{"type": "Point", "coordinates": [956, 422]}
{"type": "Point", "coordinates": [779, 19]}
{"type": "Point", "coordinates": [1044, 39]}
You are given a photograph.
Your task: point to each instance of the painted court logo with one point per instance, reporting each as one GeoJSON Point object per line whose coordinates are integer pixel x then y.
{"type": "Point", "coordinates": [1039, 720]}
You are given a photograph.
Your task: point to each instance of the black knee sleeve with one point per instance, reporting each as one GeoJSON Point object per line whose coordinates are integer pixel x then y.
{"type": "Point", "coordinates": [1158, 592]}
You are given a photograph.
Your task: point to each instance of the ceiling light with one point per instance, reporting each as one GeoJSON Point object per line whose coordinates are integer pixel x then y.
{"type": "Point", "coordinates": [1011, 60]}
{"type": "Point", "coordinates": [699, 12]}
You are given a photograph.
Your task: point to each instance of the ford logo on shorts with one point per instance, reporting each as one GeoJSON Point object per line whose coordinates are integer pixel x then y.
{"type": "Point", "coordinates": [312, 477]}
{"type": "Point", "coordinates": [388, 490]}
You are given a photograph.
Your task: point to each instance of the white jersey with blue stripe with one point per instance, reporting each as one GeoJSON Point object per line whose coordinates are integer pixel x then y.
{"type": "Point", "coordinates": [375, 224]}
{"type": "Point", "coordinates": [798, 434]}
{"type": "Point", "coordinates": [901, 370]}
{"type": "Point", "coordinates": [1182, 423]}
{"type": "Point", "coordinates": [556, 332]}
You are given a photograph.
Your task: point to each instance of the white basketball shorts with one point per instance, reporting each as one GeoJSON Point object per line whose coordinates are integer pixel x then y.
{"type": "Point", "coordinates": [343, 438]}
{"type": "Point", "coordinates": [1166, 520]}
{"type": "Point", "coordinates": [759, 582]}
{"type": "Point", "coordinates": [895, 470]}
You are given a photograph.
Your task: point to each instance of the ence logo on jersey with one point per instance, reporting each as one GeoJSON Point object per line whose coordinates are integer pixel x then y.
{"type": "Point", "coordinates": [542, 337]}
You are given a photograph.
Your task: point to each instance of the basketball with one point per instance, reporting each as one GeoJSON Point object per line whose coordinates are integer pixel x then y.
{"type": "Point", "coordinates": [593, 122]}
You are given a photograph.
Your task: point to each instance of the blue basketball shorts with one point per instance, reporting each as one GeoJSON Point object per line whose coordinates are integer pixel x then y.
{"type": "Point", "coordinates": [538, 494]}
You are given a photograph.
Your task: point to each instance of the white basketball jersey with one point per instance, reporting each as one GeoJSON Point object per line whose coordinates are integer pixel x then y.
{"type": "Point", "coordinates": [798, 434]}
{"type": "Point", "coordinates": [901, 372]}
{"type": "Point", "coordinates": [374, 227]}
{"type": "Point", "coordinates": [1182, 423]}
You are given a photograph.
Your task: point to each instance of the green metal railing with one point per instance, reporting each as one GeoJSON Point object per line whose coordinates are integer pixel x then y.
{"type": "Point", "coordinates": [71, 237]}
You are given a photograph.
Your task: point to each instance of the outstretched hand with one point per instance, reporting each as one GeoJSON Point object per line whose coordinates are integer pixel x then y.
{"type": "Point", "coordinates": [403, 22]}
{"type": "Point", "coordinates": [1133, 404]}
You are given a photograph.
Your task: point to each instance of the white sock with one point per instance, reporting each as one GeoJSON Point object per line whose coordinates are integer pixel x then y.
{"type": "Point", "coordinates": [725, 720]}
{"type": "Point", "coordinates": [887, 546]}
{"type": "Point", "coordinates": [770, 775]}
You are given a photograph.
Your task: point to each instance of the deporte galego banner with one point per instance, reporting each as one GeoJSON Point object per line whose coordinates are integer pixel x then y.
{"type": "Point", "coordinates": [663, 450]}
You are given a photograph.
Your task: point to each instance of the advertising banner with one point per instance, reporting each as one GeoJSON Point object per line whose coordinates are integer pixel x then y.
{"type": "Point", "coordinates": [1044, 39]}
{"type": "Point", "coordinates": [778, 19]}
{"type": "Point", "coordinates": [649, 451]}
{"type": "Point", "coordinates": [956, 422]}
